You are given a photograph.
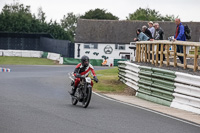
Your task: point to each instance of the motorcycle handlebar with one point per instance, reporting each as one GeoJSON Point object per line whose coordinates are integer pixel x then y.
{"type": "Point", "coordinates": [83, 76]}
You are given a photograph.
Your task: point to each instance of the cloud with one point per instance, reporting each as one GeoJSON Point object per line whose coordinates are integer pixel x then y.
{"type": "Point", "coordinates": [186, 10]}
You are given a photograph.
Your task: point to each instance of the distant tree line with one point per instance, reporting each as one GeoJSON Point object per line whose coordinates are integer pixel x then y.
{"type": "Point", "coordinates": [18, 18]}
{"type": "Point", "coordinates": [149, 15]}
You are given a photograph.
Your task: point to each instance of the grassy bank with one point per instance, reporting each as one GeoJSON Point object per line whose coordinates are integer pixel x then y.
{"type": "Point", "coordinates": [108, 81]}
{"type": "Point", "coordinates": [25, 61]}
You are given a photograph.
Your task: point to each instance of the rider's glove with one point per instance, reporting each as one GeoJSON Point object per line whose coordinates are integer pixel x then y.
{"type": "Point", "coordinates": [78, 75]}
{"type": "Point", "coordinates": [95, 79]}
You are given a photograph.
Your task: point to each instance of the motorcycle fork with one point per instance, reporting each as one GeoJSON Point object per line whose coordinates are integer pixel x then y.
{"type": "Point", "coordinates": [85, 90]}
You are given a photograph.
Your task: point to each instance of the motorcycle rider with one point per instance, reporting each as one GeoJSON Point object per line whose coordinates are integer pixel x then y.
{"type": "Point", "coordinates": [83, 68]}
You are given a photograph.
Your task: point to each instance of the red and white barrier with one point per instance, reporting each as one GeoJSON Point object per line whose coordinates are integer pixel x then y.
{"type": "Point", "coordinates": [5, 70]}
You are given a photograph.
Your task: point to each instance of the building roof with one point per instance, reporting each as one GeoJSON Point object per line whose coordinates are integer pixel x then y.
{"type": "Point", "coordinates": [122, 32]}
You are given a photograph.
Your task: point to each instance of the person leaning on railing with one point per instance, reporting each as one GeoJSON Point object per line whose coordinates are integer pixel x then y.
{"type": "Point", "coordinates": [179, 35]}
{"type": "Point", "coordinates": [146, 31]}
{"type": "Point", "coordinates": [141, 36]}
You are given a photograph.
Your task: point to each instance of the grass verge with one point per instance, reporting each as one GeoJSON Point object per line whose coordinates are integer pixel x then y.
{"type": "Point", "coordinates": [25, 61]}
{"type": "Point", "coordinates": [108, 81]}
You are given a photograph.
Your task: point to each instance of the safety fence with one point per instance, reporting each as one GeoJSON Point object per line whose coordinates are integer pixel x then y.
{"type": "Point", "coordinates": [145, 51]}
{"type": "Point", "coordinates": [48, 55]}
{"type": "Point", "coordinates": [36, 41]}
{"type": "Point", "coordinates": [169, 88]}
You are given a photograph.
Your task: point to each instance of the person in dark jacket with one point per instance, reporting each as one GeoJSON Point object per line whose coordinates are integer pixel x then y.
{"type": "Point", "coordinates": [146, 31]}
{"type": "Point", "coordinates": [179, 35]}
{"type": "Point", "coordinates": [159, 33]}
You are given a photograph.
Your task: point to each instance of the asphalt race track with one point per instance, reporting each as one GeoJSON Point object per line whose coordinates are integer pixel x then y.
{"type": "Point", "coordinates": [34, 99]}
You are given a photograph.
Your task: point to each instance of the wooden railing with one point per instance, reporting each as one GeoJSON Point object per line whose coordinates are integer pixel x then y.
{"type": "Point", "coordinates": [145, 53]}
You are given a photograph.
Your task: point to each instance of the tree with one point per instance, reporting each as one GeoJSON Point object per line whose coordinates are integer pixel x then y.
{"type": "Point", "coordinates": [15, 18]}
{"type": "Point", "coordinates": [18, 18]}
{"type": "Point", "coordinates": [69, 23]}
{"type": "Point", "coordinates": [99, 14]}
{"type": "Point", "coordinates": [41, 15]}
{"type": "Point", "coordinates": [57, 31]}
{"type": "Point", "coordinates": [169, 18]}
{"type": "Point", "coordinates": [149, 15]}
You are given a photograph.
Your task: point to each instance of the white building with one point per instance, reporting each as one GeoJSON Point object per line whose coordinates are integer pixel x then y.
{"type": "Point", "coordinates": [103, 38]}
{"type": "Point", "coordinates": [102, 51]}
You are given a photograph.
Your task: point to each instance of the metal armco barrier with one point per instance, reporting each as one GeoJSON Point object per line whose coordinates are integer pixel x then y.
{"type": "Point", "coordinates": [169, 88]}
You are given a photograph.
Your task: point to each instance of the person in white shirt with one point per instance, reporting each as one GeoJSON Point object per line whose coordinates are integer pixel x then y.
{"type": "Point", "coordinates": [151, 28]}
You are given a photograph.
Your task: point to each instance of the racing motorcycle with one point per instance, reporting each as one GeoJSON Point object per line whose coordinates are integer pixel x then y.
{"type": "Point", "coordinates": [83, 92]}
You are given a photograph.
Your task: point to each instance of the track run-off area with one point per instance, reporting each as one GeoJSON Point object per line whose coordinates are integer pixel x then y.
{"type": "Point", "coordinates": [35, 99]}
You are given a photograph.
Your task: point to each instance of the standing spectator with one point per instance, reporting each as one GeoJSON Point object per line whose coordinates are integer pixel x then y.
{"type": "Point", "coordinates": [141, 36]}
{"type": "Point", "coordinates": [159, 33]}
{"type": "Point", "coordinates": [179, 35]}
{"type": "Point", "coordinates": [151, 28]}
{"type": "Point", "coordinates": [146, 31]}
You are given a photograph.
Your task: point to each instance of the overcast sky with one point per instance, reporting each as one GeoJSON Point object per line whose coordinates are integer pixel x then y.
{"type": "Point", "coordinates": [187, 10]}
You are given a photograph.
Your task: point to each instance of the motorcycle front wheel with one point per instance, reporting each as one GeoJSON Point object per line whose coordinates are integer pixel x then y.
{"type": "Point", "coordinates": [87, 99]}
{"type": "Point", "coordinates": [74, 100]}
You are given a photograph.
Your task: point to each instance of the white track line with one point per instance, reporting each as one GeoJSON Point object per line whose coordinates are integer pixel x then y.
{"type": "Point", "coordinates": [184, 121]}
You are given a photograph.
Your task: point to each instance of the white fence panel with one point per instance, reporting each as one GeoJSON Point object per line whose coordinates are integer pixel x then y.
{"type": "Point", "coordinates": [7, 53]}
{"type": "Point", "coordinates": [61, 60]}
{"type": "Point", "coordinates": [26, 53]}
{"type": "Point", "coordinates": [53, 56]}
{"type": "Point", "coordinates": [37, 54]}
{"type": "Point", "coordinates": [17, 53]}
{"type": "Point", "coordinates": [187, 100]}
{"type": "Point", "coordinates": [187, 79]}
{"type": "Point", "coordinates": [132, 67]}
{"type": "Point", "coordinates": [187, 90]}
{"type": "Point", "coordinates": [185, 107]}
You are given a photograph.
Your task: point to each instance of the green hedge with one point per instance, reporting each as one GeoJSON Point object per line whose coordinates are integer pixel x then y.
{"type": "Point", "coordinates": [72, 61]}
{"type": "Point", "coordinates": [96, 62]}
{"type": "Point", "coordinates": [45, 54]}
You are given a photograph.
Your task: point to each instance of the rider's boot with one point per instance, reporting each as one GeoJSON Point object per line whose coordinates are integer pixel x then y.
{"type": "Point", "coordinates": [72, 92]}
